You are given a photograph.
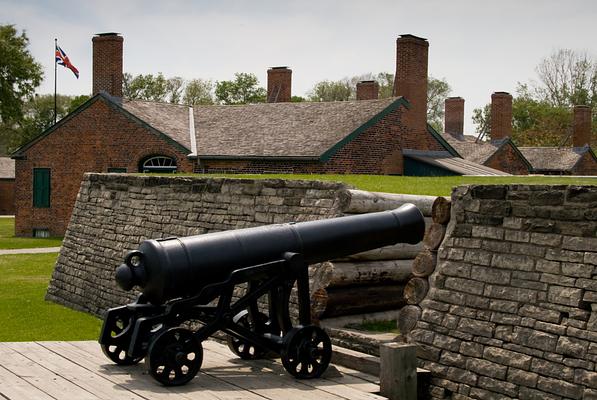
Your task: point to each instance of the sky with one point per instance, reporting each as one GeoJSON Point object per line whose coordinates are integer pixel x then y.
{"type": "Point", "coordinates": [477, 46]}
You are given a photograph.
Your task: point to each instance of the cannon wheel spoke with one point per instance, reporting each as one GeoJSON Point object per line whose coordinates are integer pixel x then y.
{"type": "Point", "coordinates": [119, 326]}
{"type": "Point", "coordinates": [175, 357]}
{"type": "Point", "coordinates": [242, 348]}
{"type": "Point", "coordinates": [308, 347]}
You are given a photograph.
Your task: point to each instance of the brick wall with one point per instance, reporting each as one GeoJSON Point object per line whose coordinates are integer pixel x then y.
{"type": "Point", "coordinates": [501, 115]}
{"type": "Point", "coordinates": [279, 85]}
{"type": "Point", "coordinates": [508, 160]}
{"type": "Point", "coordinates": [377, 150]}
{"type": "Point", "coordinates": [98, 138]}
{"type": "Point", "coordinates": [114, 213]}
{"type": "Point", "coordinates": [367, 90]}
{"type": "Point", "coordinates": [581, 126]}
{"type": "Point", "coordinates": [107, 64]}
{"type": "Point", "coordinates": [511, 310]}
{"type": "Point", "coordinates": [586, 166]}
{"type": "Point", "coordinates": [454, 116]}
{"type": "Point", "coordinates": [7, 196]}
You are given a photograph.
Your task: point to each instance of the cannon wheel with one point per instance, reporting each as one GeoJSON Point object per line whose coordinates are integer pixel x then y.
{"type": "Point", "coordinates": [306, 352]}
{"type": "Point", "coordinates": [119, 327]}
{"type": "Point", "coordinates": [175, 357]}
{"type": "Point", "coordinates": [242, 348]}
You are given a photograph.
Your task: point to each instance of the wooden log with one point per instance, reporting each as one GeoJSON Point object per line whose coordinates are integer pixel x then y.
{"type": "Point", "coordinates": [361, 202]}
{"type": "Point", "coordinates": [415, 290]}
{"type": "Point", "coordinates": [440, 210]}
{"type": "Point", "coordinates": [356, 300]}
{"type": "Point", "coordinates": [424, 264]}
{"type": "Point", "coordinates": [399, 251]}
{"type": "Point", "coordinates": [434, 236]}
{"type": "Point", "coordinates": [369, 273]}
{"type": "Point", "coordinates": [407, 318]}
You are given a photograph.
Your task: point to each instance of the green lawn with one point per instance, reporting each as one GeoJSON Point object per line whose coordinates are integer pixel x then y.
{"type": "Point", "coordinates": [9, 241]}
{"type": "Point", "coordinates": [25, 315]}
{"type": "Point", "coordinates": [437, 186]}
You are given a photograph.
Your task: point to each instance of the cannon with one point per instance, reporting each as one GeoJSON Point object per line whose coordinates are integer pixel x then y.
{"type": "Point", "coordinates": [187, 290]}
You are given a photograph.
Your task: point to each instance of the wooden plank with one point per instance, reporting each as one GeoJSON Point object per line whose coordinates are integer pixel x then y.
{"type": "Point", "coordinates": [41, 378]}
{"type": "Point", "coordinates": [329, 387]}
{"type": "Point", "coordinates": [13, 387]}
{"type": "Point", "coordinates": [88, 380]}
{"type": "Point", "coordinates": [204, 385]}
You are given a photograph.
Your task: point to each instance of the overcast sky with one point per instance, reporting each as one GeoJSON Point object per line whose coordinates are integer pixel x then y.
{"type": "Point", "coordinates": [478, 46]}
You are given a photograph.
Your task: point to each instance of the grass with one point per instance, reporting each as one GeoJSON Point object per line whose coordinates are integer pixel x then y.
{"type": "Point", "coordinates": [376, 326]}
{"type": "Point", "coordinates": [9, 241]}
{"type": "Point", "coordinates": [25, 315]}
{"type": "Point", "coordinates": [436, 186]}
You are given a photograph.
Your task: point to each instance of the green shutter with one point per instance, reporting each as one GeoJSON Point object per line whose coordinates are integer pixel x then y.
{"type": "Point", "coordinates": [41, 187]}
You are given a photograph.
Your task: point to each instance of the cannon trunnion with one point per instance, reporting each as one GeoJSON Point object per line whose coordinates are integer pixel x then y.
{"type": "Point", "coordinates": [192, 279]}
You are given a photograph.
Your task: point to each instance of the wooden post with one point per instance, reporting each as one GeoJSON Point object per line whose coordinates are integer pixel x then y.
{"type": "Point", "coordinates": [398, 371]}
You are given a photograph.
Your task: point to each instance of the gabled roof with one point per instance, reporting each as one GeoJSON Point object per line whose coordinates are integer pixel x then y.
{"type": "Point", "coordinates": [471, 149]}
{"type": "Point", "coordinates": [7, 168]}
{"type": "Point", "coordinates": [305, 130]}
{"type": "Point", "coordinates": [555, 158]}
{"type": "Point", "coordinates": [144, 110]}
{"type": "Point", "coordinates": [170, 119]}
{"type": "Point", "coordinates": [445, 160]}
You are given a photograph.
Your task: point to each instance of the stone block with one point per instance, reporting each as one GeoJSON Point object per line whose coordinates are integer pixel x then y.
{"type": "Point", "coordinates": [517, 236]}
{"type": "Point", "coordinates": [462, 376]}
{"type": "Point", "coordinates": [564, 255]}
{"type": "Point", "coordinates": [590, 258]}
{"type": "Point", "coordinates": [550, 328]}
{"type": "Point", "coordinates": [507, 319]}
{"type": "Point", "coordinates": [553, 369]}
{"type": "Point", "coordinates": [572, 346]}
{"type": "Point", "coordinates": [560, 387]}
{"type": "Point", "coordinates": [507, 357]}
{"type": "Point", "coordinates": [522, 377]}
{"type": "Point", "coordinates": [513, 261]}
{"type": "Point", "coordinates": [453, 359]}
{"type": "Point", "coordinates": [458, 269]}
{"type": "Point", "coordinates": [535, 339]}
{"type": "Point", "coordinates": [552, 267]}
{"type": "Point", "coordinates": [490, 275]}
{"type": "Point", "coordinates": [494, 385]}
{"type": "Point", "coordinates": [504, 306]}
{"type": "Point", "coordinates": [478, 257]}
{"type": "Point", "coordinates": [471, 349]}
{"type": "Point", "coordinates": [464, 285]}
{"type": "Point", "coordinates": [475, 327]}
{"type": "Point", "coordinates": [533, 394]}
{"type": "Point", "coordinates": [487, 232]}
{"type": "Point", "coordinates": [565, 295]}
{"type": "Point", "coordinates": [511, 293]}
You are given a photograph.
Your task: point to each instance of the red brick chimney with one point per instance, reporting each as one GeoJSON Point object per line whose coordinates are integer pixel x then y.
{"type": "Point", "coordinates": [367, 90]}
{"type": "Point", "coordinates": [454, 116]}
{"type": "Point", "coordinates": [107, 63]}
{"type": "Point", "coordinates": [279, 84]}
{"type": "Point", "coordinates": [501, 115]}
{"type": "Point", "coordinates": [581, 126]}
{"type": "Point", "coordinates": [411, 77]}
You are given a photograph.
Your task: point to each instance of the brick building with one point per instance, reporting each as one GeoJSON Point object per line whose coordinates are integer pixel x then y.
{"type": "Point", "coordinates": [112, 134]}
{"type": "Point", "coordinates": [576, 160]}
{"type": "Point", "coordinates": [498, 153]}
{"type": "Point", "coordinates": [7, 185]}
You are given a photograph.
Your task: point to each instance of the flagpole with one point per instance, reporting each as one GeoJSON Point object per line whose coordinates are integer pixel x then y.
{"type": "Point", "coordinates": [55, 67]}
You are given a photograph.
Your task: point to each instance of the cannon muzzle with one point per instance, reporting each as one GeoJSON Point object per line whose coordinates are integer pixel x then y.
{"type": "Point", "coordinates": [181, 267]}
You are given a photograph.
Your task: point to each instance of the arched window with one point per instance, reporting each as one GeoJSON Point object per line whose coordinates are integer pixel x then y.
{"type": "Point", "coordinates": [158, 164]}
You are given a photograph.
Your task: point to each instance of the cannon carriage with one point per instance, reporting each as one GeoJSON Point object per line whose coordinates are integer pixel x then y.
{"type": "Point", "coordinates": [194, 279]}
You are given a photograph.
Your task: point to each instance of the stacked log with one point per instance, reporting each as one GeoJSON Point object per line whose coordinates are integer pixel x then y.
{"type": "Point", "coordinates": [424, 265]}
{"type": "Point", "coordinates": [377, 280]}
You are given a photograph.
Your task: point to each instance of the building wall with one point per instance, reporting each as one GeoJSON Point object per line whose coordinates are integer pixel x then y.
{"type": "Point", "coordinates": [377, 150]}
{"type": "Point", "coordinates": [97, 138]}
{"type": "Point", "coordinates": [508, 160]}
{"type": "Point", "coordinates": [586, 166]}
{"type": "Point", "coordinates": [114, 213]}
{"type": "Point", "coordinates": [7, 196]}
{"type": "Point", "coordinates": [511, 310]}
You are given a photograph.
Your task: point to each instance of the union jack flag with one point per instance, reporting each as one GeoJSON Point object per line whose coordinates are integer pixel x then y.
{"type": "Point", "coordinates": [62, 59]}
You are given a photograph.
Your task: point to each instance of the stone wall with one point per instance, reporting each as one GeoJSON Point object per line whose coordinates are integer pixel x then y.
{"type": "Point", "coordinates": [115, 212]}
{"type": "Point", "coordinates": [510, 310]}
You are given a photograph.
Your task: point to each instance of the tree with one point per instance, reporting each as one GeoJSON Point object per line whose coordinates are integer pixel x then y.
{"type": "Point", "coordinates": [437, 92]}
{"type": "Point", "coordinates": [541, 110]}
{"type": "Point", "coordinates": [198, 91]}
{"type": "Point", "coordinates": [20, 74]}
{"type": "Point", "coordinates": [152, 88]}
{"type": "Point", "coordinates": [567, 78]}
{"type": "Point", "coordinates": [341, 90]}
{"type": "Point", "coordinates": [243, 89]}
{"type": "Point", "coordinates": [38, 115]}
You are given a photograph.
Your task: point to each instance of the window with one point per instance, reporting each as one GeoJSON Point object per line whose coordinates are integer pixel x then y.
{"type": "Point", "coordinates": [117, 170]}
{"type": "Point", "coordinates": [158, 164]}
{"type": "Point", "coordinates": [41, 233]}
{"type": "Point", "coordinates": [41, 187]}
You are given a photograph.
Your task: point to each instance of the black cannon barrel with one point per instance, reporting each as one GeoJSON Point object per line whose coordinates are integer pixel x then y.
{"type": "Point", "coordinates": [180, 267]}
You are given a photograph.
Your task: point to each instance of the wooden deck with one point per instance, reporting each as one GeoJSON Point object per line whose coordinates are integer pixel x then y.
{"type": "Point", "coordinates": [79, 370]}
